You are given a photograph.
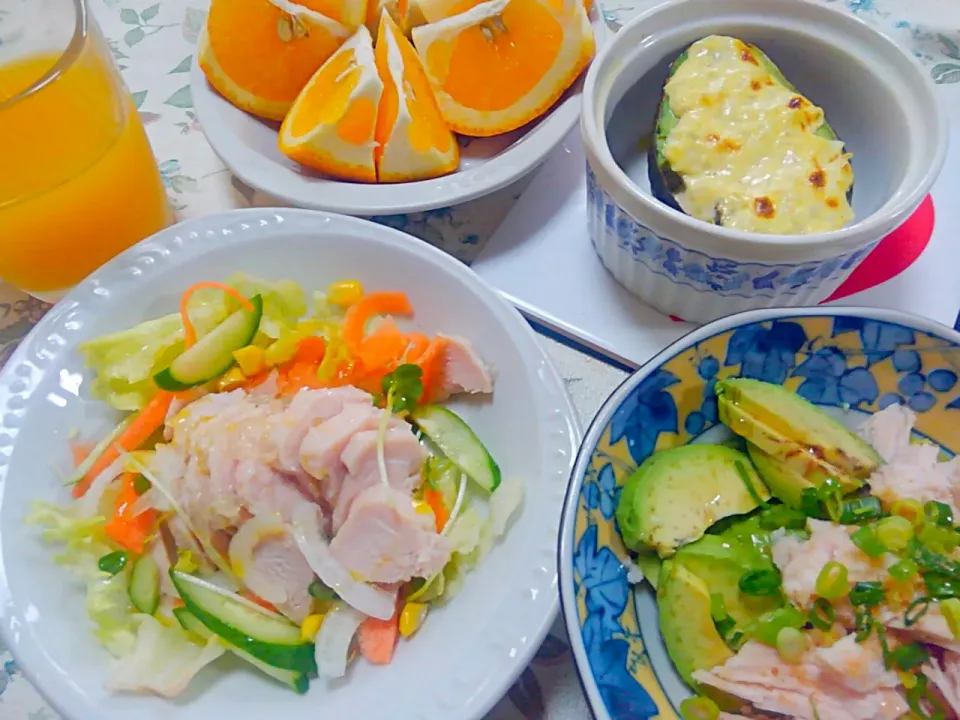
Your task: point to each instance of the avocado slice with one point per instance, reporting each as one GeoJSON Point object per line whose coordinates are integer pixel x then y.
{"type": "Point", "coordinates": [784, 482]}
{"type": "Point", "coordinates": [720, 563]}
{"type": "Point", "coordinates": [692, 640]}
{"type": "Point", "coordinates": [676, 494]}
{"type": "Point", "coordinates": [650, 565]}
{"type": "Point", "coordinates": [794, 430]}
{"type": "Point", "coordinates": [665, 182]}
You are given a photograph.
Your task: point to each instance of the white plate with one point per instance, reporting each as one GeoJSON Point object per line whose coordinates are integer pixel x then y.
{"type": "Point", "coordinates": [248, 146]}
{"type": "Point", "coordinates": [467, 653]}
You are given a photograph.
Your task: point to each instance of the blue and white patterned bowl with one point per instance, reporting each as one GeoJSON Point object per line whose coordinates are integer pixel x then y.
{"type": "Point", "coordinates": [855, 358]}
{"type": "Point", "coordinates": [882, 104]}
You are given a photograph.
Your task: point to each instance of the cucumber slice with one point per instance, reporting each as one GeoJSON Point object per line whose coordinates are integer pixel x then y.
{"type": "Point", "coordinates": [296, 681]}
{"type": "Point", "coordinates": [270, 638]}
{"type": "Point", "coordinates": [144, 588]}
{"type": "Point", "coordinates": [212, 356]}
{"type": "Point", "coordinates": [458, 442]}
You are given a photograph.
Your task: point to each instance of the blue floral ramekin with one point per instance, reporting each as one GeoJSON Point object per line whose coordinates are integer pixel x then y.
{"type": "Point", "coordinates": [855, 360]}
{"type": "Point", "coordinates": [883, 105]}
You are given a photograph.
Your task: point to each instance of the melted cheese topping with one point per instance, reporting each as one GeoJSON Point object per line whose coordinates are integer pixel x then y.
{"type": "Point", "coordinates": [746, 147]}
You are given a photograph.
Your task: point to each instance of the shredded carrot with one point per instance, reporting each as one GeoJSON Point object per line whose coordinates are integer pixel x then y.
{"type": "Point", "coordinates": [127, 530]}
{"type": "Point", "coordinates": [417, 344]}
{"type": "Point", "coordinates": [310, 350]}
{"type": "Point", "coordinates": [255, 380]}
{"type": "Point", "coordinates": [378, 638]}
{"type": "Point", "coordinates": [80, 452]}
{"type": "Point", "coordinates": [431, 363]}
{"type": "Point", "coordinates": [302, 375]}
{"type": "Point", "coordinates": [177, 603]}
{"type": "Point", "coordinates": [189, 331]}
{"type": "Point", "coordinates": [151, 417]}
{"type": "Point", "coordinates": [434, 498]}
{"type": "Point", "coordinates": [378, 303]}
{"type": "Point", "coordinates": [384, 347]}
{"type": "Point", "coordinates": [254, 598]}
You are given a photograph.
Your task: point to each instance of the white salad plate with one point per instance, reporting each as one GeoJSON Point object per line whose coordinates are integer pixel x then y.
{"type": "Point", "coordinates": [248, 146]}
{"type": "Point", "coordinates": [467, 653]}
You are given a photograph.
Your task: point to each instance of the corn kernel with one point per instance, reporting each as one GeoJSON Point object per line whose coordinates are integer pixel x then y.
{"type": "Point", "coordinates": [310, 627]}
{"type": "Point", "coordinates": [412, 617]}
{"type": "Point", "coordinates": [422, 508]}
{"type": "Point", "coordinates": [908, 680]}
{"type": "Point", "coordinates": [344, 293]}
{"type": "Point", "coordinates": [250, 359]}
{"type": "Point", "coordinates": [230, 380]}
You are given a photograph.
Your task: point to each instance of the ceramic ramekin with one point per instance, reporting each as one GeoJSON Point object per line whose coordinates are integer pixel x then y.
{"type": "Point", "coordinates": [877, 98]}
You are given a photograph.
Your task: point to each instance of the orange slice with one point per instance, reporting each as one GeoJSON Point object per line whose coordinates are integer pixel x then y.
{"type": "Point", "coordinates": [437, 10]}
{"type": "Point", "coordinates": [259, 54]}
{"type": "Point", "coordinates": [413, 141]}
{"type": "Point", "coordinates": [352, 13]}
{"type": "Point", "coordinates": [331, 125]}
{"type": "Point", "coordinates": [503, 63]}
{"type": "Point", "coordinates": [405, 13]}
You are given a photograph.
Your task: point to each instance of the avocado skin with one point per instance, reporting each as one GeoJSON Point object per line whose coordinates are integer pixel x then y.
{"type": "Point", "coordinates": [676, 494]}
{"type": "Point", "coordinates": [665, 182]}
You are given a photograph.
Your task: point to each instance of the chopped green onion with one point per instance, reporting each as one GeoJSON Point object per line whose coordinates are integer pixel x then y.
{"type": "Point", "coordinates": [858, 510]}
{"type": "Point", "coordinates": [894, 532]}
{"type": "Point", "coordinates": [833, 582]}
{"type": "Point", "coordinates": [735, 640]}
{"type": "Point", "coordinates": [951, 613]}
{"type": "Point", "coordinates": [866, 594]}
{"type": "Point", "coordinates": [863, 622]}
{"type": "Point", "coordinates": [810, 503]}
{"type": "Point", "coordinates": [907, 657]}
{"type": "Point", "coordinates": [320, 591]}
{"type": "Point", "coordinates": [112, 563]}
{"type": "Point", "coordinates": [822, 614]}
{"type": "Point", "coordinates": [912, 510]}
{"type": "Point", "coordinates": [141, 484]}
{"type": "Point", "coordinates": [903, 570]}
{"type": "Point", "coordinates": [916, 610]}
{"type": "Point", "coordinates": [781, 516]}
{"type": "Point", "coordinates": [699, 708]}
{"type": "Point", "coordinates": [941, 587]}
{"type": "Point", "coordinates": [791, 645]}
{"type": "Point", "coordinates": [771, 623]}
{"type": "Point", "coordinates": [761, 582]}
{"type": "Point", "coordinates": [939, 539]}
{"type": "Point", "coordinates": [929, 561]}
{"type": "Point", "coordinates": [938, 513]}
{"type": "Point", "coordinates": [866, 539]}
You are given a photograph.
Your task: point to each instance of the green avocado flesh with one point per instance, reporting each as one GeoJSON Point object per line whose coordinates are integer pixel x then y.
{"type": "Point", "coordinates": [665, 183]}
{"type": "Point", "coordinates": [800, 439]}
{"type": "Point", "coordinates": [675, 495]}
{"type": "Point", "coordinates": [686, 624]}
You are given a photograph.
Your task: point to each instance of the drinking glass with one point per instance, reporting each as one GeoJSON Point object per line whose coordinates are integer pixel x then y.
{"type": "Point", "coordinates": [78, 180]}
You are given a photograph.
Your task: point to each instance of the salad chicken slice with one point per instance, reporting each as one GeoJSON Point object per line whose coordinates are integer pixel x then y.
{"type": "Point", "coordinates": [288, 487]}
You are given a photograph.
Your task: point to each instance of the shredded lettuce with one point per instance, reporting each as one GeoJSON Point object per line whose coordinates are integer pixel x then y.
{"type": "Point", "coordinates": [163, 659]}
{"type": "Point", "coordinates": [125, 362]}
{"type": "Point", "coordinates": [84, 543]}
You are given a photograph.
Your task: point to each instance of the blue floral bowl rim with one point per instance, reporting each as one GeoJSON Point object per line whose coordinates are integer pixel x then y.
{"type": "Point", "coordinates": [596, 427]}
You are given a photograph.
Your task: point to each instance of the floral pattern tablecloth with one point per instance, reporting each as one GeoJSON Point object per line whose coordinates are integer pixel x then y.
{"type": "Point", "coordinates": [153, 43]}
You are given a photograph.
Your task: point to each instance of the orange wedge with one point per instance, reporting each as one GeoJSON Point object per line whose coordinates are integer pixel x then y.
{"type": "Point", "coordinates": [352, 13]}
{"type": "Point", "coordinates": [502, 63]}
{"type": "Point", "coordinates": [413, 141]}
{"type": "Point", "coordinates": [331, 125]}
{"type": "Point", "coordinates": [259, 54]}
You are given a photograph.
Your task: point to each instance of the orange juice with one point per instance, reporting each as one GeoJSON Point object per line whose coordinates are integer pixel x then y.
{"type": "Point", "coordinates": [78, 180]}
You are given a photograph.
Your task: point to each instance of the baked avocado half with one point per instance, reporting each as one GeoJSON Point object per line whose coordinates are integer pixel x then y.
{"type": "Point", "coordinates": [735, 144]}
{"type": "Point", "coordinates": [676, 494]}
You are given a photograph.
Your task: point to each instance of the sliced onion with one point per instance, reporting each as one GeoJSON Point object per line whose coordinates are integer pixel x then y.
{"type": "Point", "coordinates": [366, 598]}
{"type": "Point", "coordinates": [334, 639]}
{"type": "Point", "coordinates": [89, 504]}
{"type": "Point", "coordinates": [147, 501]}
{"type": "Point", "coordinates": [242, 547]}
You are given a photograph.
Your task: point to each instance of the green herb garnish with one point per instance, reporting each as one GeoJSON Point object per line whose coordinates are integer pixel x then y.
{"type": "Point", "coordinates": [112, 563]}
{"type": "Point", "coordinates": [403, 387]}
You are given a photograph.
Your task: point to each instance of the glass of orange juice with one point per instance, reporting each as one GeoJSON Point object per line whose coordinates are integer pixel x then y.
{"type": "Point", "coordinates": [78, 180]}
